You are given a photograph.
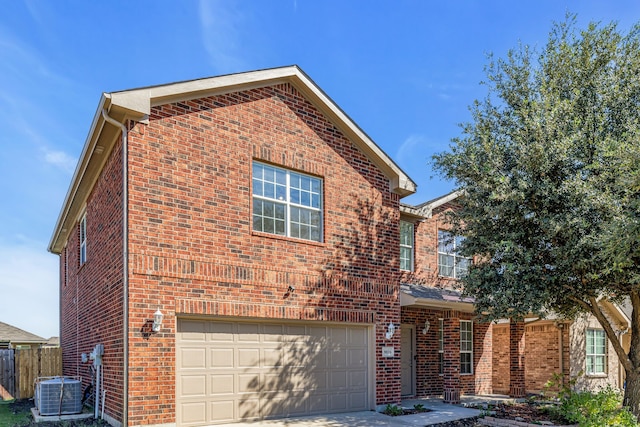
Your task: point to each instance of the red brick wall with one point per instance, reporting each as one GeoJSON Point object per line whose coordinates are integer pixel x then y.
{"type": "Point", "coordinates": [428, 380]}
{"type": "Point", "coordinates": [426, 249]}
{"type": "Point", "coordinates": [501, 375]}
{"type": "Point", "coordinates": [542, 355]}
{"type": "Point", "coordinates": [193, 250]}
{"type": "Point", "coordinates": [91, 295]}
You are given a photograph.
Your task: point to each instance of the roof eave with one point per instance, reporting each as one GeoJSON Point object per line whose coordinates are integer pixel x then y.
{"type": "Point", "coordinates": [407, 300]}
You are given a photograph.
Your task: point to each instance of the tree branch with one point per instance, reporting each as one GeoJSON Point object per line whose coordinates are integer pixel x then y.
{"type": "Point", "coordinates": [611, 334]}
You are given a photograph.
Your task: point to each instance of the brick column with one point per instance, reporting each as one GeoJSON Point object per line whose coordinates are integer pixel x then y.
{"type": "Point", "coordinates": [451, 357]}
{"type": "Point", "coordinates": [516, 358]}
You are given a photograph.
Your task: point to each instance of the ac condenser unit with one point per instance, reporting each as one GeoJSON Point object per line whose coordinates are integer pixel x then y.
{"type": "Point", "coordinates": [58, 396]}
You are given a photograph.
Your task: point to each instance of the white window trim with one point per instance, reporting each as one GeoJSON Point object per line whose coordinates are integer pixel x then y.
{"type": "Point", "coordinates": [410, 246]}
{"type": "Point", "coordinates": [82, 238]}
{"type": "Point", "coordinates": [441, 346]}
{"type": "Point", "coordinates": [597, 354]}
{"type": "Point", "coordinates": [453, 254]}
{"type": "Point", "coordinates": [466, 351]}
{"type": "Point", "coordinates": [288, 204]}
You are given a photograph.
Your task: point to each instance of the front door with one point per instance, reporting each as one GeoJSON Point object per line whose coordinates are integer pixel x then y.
{"type": "Point", "coordinates": [407, 356]}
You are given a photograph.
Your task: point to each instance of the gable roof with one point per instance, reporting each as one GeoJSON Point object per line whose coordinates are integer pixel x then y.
{"type": "Point", "coordinates": [9, 333]}
{"type": "Point", "coordinates": [136, 104]}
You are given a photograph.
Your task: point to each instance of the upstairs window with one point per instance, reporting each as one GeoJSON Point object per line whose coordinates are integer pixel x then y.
{"type": "Point", "coordinates": [83, 239]}
{"type": "Point", "coordinates": [406, 246]}
{"type": "Point", "coordinates": [286, 203]}
{"type": "Point", "coordinates": [450, 264]}
{"type": "Point", "coordinates": [596, 352]}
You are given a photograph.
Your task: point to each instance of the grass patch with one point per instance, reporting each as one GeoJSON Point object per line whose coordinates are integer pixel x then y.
{"type": "Point", "coordinates": [9, 417]}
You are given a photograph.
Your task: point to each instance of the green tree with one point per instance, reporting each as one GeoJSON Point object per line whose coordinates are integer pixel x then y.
{"type": "Point", "coordinates": [549, 172]}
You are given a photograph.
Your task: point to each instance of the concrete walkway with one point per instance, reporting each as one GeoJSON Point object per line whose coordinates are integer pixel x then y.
{"type": "Point", "coordinates": [440, 413]}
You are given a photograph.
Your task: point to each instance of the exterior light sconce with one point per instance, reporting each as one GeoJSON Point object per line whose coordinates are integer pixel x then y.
{"type": "Point", "coordinates": [157, 321]}
{"type": "Point", "coordinates": [290, 290]}
{"type": "Point", "coordinates": [427, 325]}
{"type": "Point", "coordinates": [391, 329]}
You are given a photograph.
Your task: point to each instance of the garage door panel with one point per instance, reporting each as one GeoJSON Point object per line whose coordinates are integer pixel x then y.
{"type": "Point", "coordinates": [221, 331]}
{"type": "Point", "coordinates": [193, 385]}
{"type": "Point", "coordinates": [358, 401]}
{"type": "Point", "coordinates": [357, 357]}
{"type": "Point", "coordinates": [338, 358]}
{"type": "Point", "coordinates": [221, 384]}
{"type": "Point", "coordinates": [194, 413]}
{"type": "Point", "coordinates": [248, 383]}
{"type": "Point", "coordinates": [193, 358]}
{"type": "Point", "coordinates": [318, 403]}
{"type": "Point", "coordinates": [246, 370]}
{"type": "Point", "coordinates": [248, 332]}
{"type": "Point", "coordinates": [357, 379]}
{"type": "Point", "coordinates": [248, 408]}
{"type": "Point", "coordinates": [338, 402]}
{"type": "Point", "coordinates": [358, 337]}
{"type": "Point", "coordinates": [221, 357]}
{"type": "Point", "coordinates": [248, 357]}
{"type": "Point", "coordinates": [339, 337]}
{"type": "Point", "coordinates": [272, 357]}
{"type": "Point", "coordinates": [222, 411]}
{"type": "Point", "coordinates": [338, 380]}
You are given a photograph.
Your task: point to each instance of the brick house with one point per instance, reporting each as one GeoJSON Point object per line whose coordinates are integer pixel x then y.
{"type": "Point", "coordinates": [266, 227]}
{"type": "Point", "coordinates": [262, 222]}
{"type": "Point", "coordinates": [446, 351]}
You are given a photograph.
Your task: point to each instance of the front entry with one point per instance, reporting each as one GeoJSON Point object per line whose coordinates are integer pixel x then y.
{"type": "Point", "coordinates": [407, 358]}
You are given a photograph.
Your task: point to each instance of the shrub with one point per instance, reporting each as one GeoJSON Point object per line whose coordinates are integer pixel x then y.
{"type": "Point", "coordinates": [596, 409]}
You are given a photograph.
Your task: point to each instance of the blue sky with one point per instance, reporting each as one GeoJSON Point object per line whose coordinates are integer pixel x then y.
{"type": "Point", "coordinates": [404, 71]}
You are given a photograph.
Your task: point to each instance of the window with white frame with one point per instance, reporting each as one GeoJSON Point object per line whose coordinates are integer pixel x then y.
{"type": "Point", "coordinates": [466, 347]}
{"type": "Point", "coordinates": [596, 352]}
{"type": "Point", "coordinates": [83, 239]}
{"type": "Point", "coordinates": [406, 246]}
{"type": "Point", "coordinates": [286, 203]}
{"type": "Point", "coordinates": [441, 346]}
{"type": "Point", "coordinates": [450, 264]}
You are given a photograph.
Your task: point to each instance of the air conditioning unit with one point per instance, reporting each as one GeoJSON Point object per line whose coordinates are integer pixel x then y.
{"type": "Point", "coordinates": [58, 396]}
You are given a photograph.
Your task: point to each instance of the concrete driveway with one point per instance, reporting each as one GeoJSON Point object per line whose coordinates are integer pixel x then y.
{"type": "Point", "coordinates": [440, 413]}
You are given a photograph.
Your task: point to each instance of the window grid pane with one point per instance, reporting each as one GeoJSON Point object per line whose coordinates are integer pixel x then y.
{"type": "Point", "coordinates": [286, 203]}
{"type": "Point", "coordinates": [596, 349]}
{"type": "Point", "coordinates": [466, 347]}
{"type": "Point", "coordinates": [406, 246]}
{"type": "Point", "coordinates": [450, 264]}
{"type": "Point", "coordinates": [441, 346]}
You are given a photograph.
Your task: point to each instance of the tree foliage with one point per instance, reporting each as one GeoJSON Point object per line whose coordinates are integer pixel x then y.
{"type": "Point", "coordinates": [550, 171]}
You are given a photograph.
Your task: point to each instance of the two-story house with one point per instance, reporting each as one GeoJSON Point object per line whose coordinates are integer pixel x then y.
{"type": "Point", "coordinates": [447, 350]}
{"type": "Point", "coordinates": [259, 225]}
{"type": "Point", "coordinates": [234, 248]}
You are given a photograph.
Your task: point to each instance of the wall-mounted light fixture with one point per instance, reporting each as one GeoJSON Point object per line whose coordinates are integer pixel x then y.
{"type": "Point", "coordinates": [290, 290]}
{"type": "Point", "coordinates": [427, 325]}
{"type": "Point", "coordinates": [391, 329]}
{"type": "Point", "coordinates": [157, 321]}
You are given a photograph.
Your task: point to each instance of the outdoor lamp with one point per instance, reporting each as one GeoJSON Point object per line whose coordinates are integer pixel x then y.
{"type": "Point", "coordinates": [157, 320]}
{"type": "Point", "coordinates": [391, 329]}
{"type": "Point", "coordinates": [426, 327]}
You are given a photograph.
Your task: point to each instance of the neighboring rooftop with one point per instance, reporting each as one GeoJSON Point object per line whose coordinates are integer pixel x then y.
{"type": "Point", "coordinates": [12, 334]}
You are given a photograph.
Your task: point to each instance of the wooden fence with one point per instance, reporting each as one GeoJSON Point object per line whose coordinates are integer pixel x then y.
{"type": "Point", "coordinates": [20, 368]}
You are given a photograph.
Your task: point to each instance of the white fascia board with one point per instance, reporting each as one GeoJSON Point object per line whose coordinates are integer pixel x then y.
{"type": "Point", "coordinates": [81, 166]}
{"type": "Point", "coordinates": [427, 210]}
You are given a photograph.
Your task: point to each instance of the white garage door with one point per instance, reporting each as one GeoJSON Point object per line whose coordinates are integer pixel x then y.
{"type": "Point", "coordinates": [230, 371]}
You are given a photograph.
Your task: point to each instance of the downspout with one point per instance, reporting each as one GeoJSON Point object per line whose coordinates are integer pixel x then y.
{"type": "Point", "coordinates": [125, 264]}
